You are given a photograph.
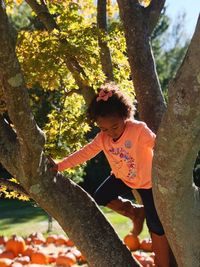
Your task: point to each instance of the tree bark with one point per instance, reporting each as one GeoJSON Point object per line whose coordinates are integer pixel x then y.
{"type": "Point", "coordinates": [177, 198]}
{"type": "Point", "coordinates": [136, 20]}
{"type": "Point", "coordinates": [105, 56]}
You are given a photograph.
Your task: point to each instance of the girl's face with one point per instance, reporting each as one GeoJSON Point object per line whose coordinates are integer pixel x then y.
{"type": "Point", "coordinates": [113, 126]}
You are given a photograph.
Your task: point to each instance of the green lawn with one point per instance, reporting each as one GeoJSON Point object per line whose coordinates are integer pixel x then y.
{"type": "Point", "coordinates": [23, 218]}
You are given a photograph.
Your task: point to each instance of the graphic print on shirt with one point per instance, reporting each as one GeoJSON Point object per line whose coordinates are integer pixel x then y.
{"type": "Point", "coordinates": [124, 156]}
{"type": "Point", "coordinates": [128, 144]}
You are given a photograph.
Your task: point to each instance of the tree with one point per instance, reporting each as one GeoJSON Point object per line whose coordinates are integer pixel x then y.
{"type": "Point", "coordinates": [180, 122]}
{"type": "Point", "coordinates": [22, 142]}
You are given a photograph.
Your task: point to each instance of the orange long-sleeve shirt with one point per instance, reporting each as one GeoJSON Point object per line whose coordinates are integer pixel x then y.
{"type": "Point", "coordinates": [130, 157]}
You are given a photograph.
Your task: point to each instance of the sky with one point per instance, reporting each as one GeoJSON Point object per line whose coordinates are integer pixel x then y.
{"type": "Point", "coordinates": [191, 8]}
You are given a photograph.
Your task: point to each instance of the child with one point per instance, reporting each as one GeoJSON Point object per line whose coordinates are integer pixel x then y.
{"type": "Point", "coordinates": [128, 146]}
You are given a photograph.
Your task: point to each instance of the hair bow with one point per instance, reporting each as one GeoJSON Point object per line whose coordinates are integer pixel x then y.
{"type": "Point", "coordinates": [104, 95]}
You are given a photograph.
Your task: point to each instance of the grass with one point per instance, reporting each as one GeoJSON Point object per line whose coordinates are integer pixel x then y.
{"type": "Point", "coordinates": [24, 218]}
{"type": "Point", "coordinates": [17, 217]}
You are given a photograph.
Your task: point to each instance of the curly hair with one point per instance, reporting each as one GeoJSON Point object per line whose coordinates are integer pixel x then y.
{"type": "Point", "coordinates": [110, 101]}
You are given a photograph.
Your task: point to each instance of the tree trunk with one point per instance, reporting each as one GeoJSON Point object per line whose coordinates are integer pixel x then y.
{"type": "Point", "coordinates": [177, 198]}
{"type": "Point", "coordinates": [105, 56]}
{"type": "Point", "coordinates": [145, 80]}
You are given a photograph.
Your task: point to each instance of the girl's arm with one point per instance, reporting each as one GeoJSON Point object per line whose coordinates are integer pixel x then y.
{"type": "Point", "coordinates": [87, 152]}
{"type": "Point", "coordinates": [146, 137]}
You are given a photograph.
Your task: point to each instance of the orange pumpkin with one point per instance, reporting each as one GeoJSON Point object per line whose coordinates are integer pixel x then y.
{"type": "Point", "coordinates": [79, 256]}
{"type": "Point", "coordinates": [66, 260]}
{"type": "Point", "coordinates": [69, 243]}
{"type": "Point", "coordinates": [23, 260]}
{"type": "Point", "coordinates": [29, 251]}
{"type": "Point", "coordinates": [52, 257]}
{"type": "Point", "coordinates": [51, 239]}
{"type": "Point", "coordinates": [16, 244]}
{"type": "Point", "coordinates": [61, 240]}
{"type": "Point", "coordinates": [138, 255]}
{"type": "Point", "coordinates": [146, 245]}
{"type": "Point", "coordinates": [147, 262]}
{"type": "Point", "coordinates": [37, 238]}
{"type": "Point", "coordinates": [28, 241]}
{"type": "Point", "coordinates": [3, 240]}
{"type": "Point", "coordinates": [7, 254]}
{"type": "Point", "coordinates": [39, 257]}
{"type": "Point", "coordinates": [76, 253]}
{"type": "Point", "coordinates": [5, 262]}
{"type": "Point", "coordinates": [132, 242]}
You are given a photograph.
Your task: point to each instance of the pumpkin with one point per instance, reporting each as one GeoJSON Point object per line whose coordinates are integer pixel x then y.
{"type": "Point", "coordinates": [37, 238]}
{"type": "Point", "coordinates": [7, 254]}
{"type": "Point", "coordinates": [23, 260]}
{"type": "Point", "coordinates": [3, 240]}
{"type": "Point", "coordinates": [138, 255]}
{"type": "Point", "coordinates": [76, 253]}
{"type": "Point", "coordinates": [39, 257]}
{"type": "Point", "coordinates": [52, 257]}
{"type": "Point", "coordinates": [51, 239]}
{"type": "Point", "coordinates": [29, 251]}
{"type": "Point", "coordinates": [28, 241]}
{"type": "Point", "coordinates": [66, 260]}
{"type": "Point", "coordinates": [61, 240]}
{"type": "Point", "coordinates": [69, 243]}
{"type": "Point", "coordinates": [132, 242]}
{"type": "Point", "coordinates": [146, 245]}
{"type": "Point", "coordinates": [5, 262]}
{"type": "Point", "coordinates": [16, 244]}
{"type": "Point", "coordinates": [147, 262]}
{"type": "Point", "coordinates": [144, 259]}
{"type": "Point", "coordinates": [79, 256]}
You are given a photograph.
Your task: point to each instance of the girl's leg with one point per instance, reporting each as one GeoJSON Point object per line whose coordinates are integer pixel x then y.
{"type": "Point", "coordinates": [159, 241]}
{"type": "Point", "coordinates": [134, 212]}
{"type": "Point", "coordinates": [107, 194]}
{"type": "Point", "coordinates": [109, 190]}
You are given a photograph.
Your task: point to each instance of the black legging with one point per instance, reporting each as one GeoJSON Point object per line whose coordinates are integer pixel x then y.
{"type": "Point", "coordinates": [112, 188]}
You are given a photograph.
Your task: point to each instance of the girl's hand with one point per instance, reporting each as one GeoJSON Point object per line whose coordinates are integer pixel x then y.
{"type": "Point", "coordinates": [52, 165]}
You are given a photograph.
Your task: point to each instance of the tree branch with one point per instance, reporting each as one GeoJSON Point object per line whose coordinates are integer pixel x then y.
{"type": "Point", "coordinates": [105, 56]}
{"type": "Point", "coordinates": [154, 11]}
{"type": "Point", "coordinates": [16, 96]}
{"type": "Point", "coordinates": [43, 14]}
{"type": "Point", "coordinates": [151, 104]}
